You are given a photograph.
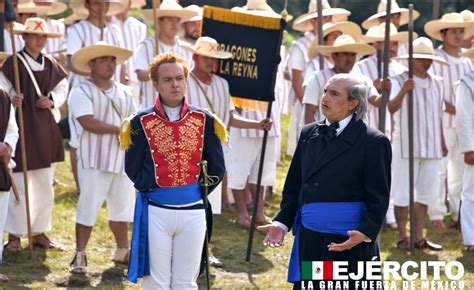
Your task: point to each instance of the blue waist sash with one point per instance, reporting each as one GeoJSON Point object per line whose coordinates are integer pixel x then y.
{"type": "Point", "coordinates": [139, 265]}
{"type": "Point", "coordinates": [324, 217]}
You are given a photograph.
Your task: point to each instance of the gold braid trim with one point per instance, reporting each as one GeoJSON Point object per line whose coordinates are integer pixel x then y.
{"type": "Point", "coordinates": [225, 15]}
{"type": "Point", "coordinates": [220, 129]}
{"type": "Point", "coordinates": [126, 131]}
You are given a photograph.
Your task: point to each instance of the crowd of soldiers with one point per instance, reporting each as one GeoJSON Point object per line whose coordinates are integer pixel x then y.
{"type": "Point", "coordinates": [93, 74]}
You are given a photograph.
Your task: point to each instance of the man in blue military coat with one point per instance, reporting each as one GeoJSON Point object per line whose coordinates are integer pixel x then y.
{"type": "Point", "coordinates": [166, 146]}
{"type": "Point", "coordinates": [337, 189]}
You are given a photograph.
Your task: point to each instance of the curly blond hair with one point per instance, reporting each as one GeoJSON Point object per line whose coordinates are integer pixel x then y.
{"type": "Point", "coordinates": [168, 57]}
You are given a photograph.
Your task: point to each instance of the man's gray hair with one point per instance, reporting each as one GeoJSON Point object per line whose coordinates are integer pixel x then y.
{"type": "Point", "coordinates": [359, 92]}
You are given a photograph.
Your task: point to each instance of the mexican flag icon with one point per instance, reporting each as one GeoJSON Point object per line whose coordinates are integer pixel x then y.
{"type": "Point", "coordinates": [319, 270]}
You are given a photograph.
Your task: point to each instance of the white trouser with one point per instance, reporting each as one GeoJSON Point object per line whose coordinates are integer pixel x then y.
{"type": "Point", "coordinates": [467, 206]}
{"type": "Point", "coordinates": [98, 186]}
{"type": "Point", "coordinates": [390, 216]}
{"type": "Point", "coordinates": [295, 118]}
{"type": "Point", "coordinates": [452, 166]}
{"type": "Point", "coordinates": [176, 239]}
{"type": "Point", "coordinates": [41, 197]}
{"type": "Point", "coordinates": [3, 216]}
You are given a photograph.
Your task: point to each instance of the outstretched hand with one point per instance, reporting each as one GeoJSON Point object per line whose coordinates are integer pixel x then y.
{"type": "Point", "coordinates": [355, 238]}
{"type": "Point", "coordinates": [274, 237]}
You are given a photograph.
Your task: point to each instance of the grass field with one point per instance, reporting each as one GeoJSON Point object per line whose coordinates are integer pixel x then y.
{"type": "Point", "coordinates": [267, 268]}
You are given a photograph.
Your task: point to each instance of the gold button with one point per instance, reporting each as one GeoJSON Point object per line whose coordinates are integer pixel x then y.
{"type": "Point", "coordinates": [197, 164]}
{"type": "Point", "coordinates": [152, 151]}
{"type": "Point", "coordinates": [200, 149]}
{"type": "Point", "coordinates": [156, 165]}
{"type": "Point", "coordinates": [197, 175]}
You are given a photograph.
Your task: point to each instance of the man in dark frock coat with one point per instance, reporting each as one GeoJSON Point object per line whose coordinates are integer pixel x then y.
{"type": "Point", "coordinates": [337, 189]}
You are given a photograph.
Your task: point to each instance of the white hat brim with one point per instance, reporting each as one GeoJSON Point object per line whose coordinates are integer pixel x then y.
{"type": "Point", "coordinates": [303, 24]}
{"type": "Point", "coordinates": [21, 29]}
{"type": "Point", "coordinates": [468, 53]}
{"type": "Point", "coordinates": [373, 20]}
{"type": "Point", "coordinates": [4, 55]}
{"type": "Point", "coordinates": [137, 4]}
{"type": "Point", "coordinates": [422, 56]}
{"type": "Point", "coordinates": [80, 60]}
{"type": "Point", "coordinates": [265, 13]}
{"type": "Point", "coordinates": [183, 14]}
{"type": "Point", "coordinates": [401, 37]}
{"type": "Point", "coordinates": [38, 10]}
{"type": "Point", "coordinates": [359, 48]}
{"type": "Point", "coordinates": [216, 55]}
{"type": "Point", "coordinates": [115, 7]}
{"type": "Point", "coordinates": [433, 28]}
{"type": "Point", "coordinates": [56, 8]}
{"type": "Point", "coordinates": [346, 27]}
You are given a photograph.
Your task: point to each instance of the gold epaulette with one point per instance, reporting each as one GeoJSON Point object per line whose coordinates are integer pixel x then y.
{"type": "Point", "coordinates": [220, 129]}
{"type": "Point", "coordinates": [125, 136]}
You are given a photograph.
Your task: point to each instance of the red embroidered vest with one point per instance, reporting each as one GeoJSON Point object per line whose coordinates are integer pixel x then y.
{"type": "Point", "coordinates": [176, 147]}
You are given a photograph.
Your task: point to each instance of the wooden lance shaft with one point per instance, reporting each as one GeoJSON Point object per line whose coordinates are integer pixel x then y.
{"type": "Point", "coordinates": [320, 33]}
{"type": "Point", "coordinates": [102, 19]}
{"type": "Point", "coordinates": [156, 6]}
{"type": "Point", "coordinates": [386, 60]}
{"type": "Point", "coordinates": [22, 140]}
{"type": "Point", "coordinates": [411, 172]}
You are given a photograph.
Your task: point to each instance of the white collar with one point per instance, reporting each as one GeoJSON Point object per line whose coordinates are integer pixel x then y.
{"type": "Point", "coordinates": [342, 124]}
{"type": "Point", "coordinates": [173, 113]}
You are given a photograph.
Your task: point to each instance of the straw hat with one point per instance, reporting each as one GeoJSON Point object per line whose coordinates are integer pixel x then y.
{"type": "Point", "coordinates": [77, 14]}
{"type": "Point", "coordinates": [4, 55]}
{"type": "Point", "coordinates": [345, 27]}
{"type": "Point", "coordinates": [377, 33]}
{"type": "Point", "coordinates": [115, 6]}
{"type": "Point", "coordinates": [31, 8]}
{"type": "Point", "coordinates": [196, 9]}
{"type": "Point", "coordinates": [80, 60]}
{"type": "Point", "coordinates": [260, 8]}
{"type": "Point", "coordinates": [169, 8]}
{"type": "Point", "coordinates": [36, 25]}
{"type": "Point", "coordinates": [382, 12]}
{"type": "Point", "coordinates": [207, 46]}
{"type": "Point", "coordinates": [449, 20]}
{"type": "Point", "coordinates": [468, 53]}
{"type": "Point", "coordinates": [423, 49]}
{"type": "Point", "coordinates": [303, 23]}
{"type": "Point", "coordinates": [137, 4]}
{"type": "Point", "coordinates": [345, 43]}
{"type": "Point", "coordinates": [53, 7]}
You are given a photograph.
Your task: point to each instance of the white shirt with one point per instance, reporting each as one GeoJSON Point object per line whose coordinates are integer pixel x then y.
{"type": "Point", "coordinates": [313, 67]}
{"type": "Point", "coordinates": [133, 32]}
{"type": "Point", "coordinates": [299, 58]}
{"type": "Point", "coordinates": [7, 41]}
{"type": "Point", "coordinates": [101, 151]}
{"type": "Point", "coordinates": [465, 113]}
{"type": "Point", "coordinates": [83, 34]}
{"type": "Point", "coordinates": [368, 67]}
{"type": "Point", "coordinates": [217, 92]}
{"type": "Point", "coordinates": [55, 46]}
{"type": "Point", "coordinates": [427, 111]}
{"type": "Point", "coordinates": [174, 114]}
{"type": "Point", "coordinates": [11, 136]}
{"type": "Point", "coordinates": [457, 68]}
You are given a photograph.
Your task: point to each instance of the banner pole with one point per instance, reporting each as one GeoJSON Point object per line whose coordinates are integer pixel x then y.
{"type": "Point", "coordinates": [259, 182]}
{"type": "Point", "coordinates": [262, 158]}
